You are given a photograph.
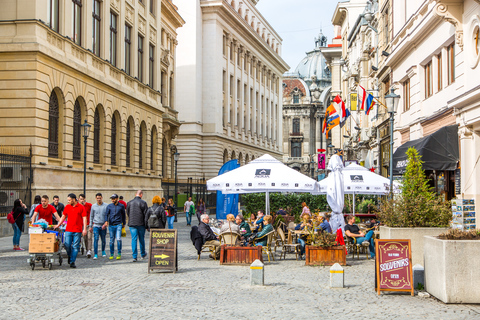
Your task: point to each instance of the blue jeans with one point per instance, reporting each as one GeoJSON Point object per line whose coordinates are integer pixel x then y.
{"type": "Point", "coordinates": [99, 232]}
{"type": "Point", "coordinates": [115, 233]}
{"type": "Point", "coordinates": [17, 233]}
{"type": "Point", "coordinates": [138, 232]}
{"type": "Point", "coordinates": [170, 222]}
{"type": "Point", "coordinates": [189, 218]}
{"type": "Point", "coordinates": [72, 244]}
{"type": "Point", "coordinates": [368, 237]}
{"type": "Point", "coordinates": [302, 246]}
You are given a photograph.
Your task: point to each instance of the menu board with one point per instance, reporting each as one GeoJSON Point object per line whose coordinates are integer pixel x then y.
{"type": "Point", "coordinates": [163, 250]}
{"type": "Point", "coordinates": [393, 265]}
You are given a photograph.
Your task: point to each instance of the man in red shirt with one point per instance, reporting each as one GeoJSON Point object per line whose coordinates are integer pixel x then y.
{"type": "Point", "coordinates": [88, 239]}
{"type": "Point", "coordinates": [45, 211]}
{"type": "Point", "coordinates": [123, 202]}
{"type": "Point", "coordinates": [76, 226]}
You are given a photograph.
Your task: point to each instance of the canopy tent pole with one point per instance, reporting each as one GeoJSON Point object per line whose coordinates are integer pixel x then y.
{"type": "Point", "coordinates": [267, 202]}
{"type": "Point", "coordinates": [354, 203]}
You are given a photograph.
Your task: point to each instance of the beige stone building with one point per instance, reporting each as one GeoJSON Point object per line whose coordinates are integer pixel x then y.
{"type": "Point", "coordinates": [111, 63]}
{"type": "Point", "coordinates": [229, 93]}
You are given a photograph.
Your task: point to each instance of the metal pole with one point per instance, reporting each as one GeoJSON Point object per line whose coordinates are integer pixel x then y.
{"type": "Point", "coordinates": [175, 182]}
{"type": "Point", "coordinates": [84, 164]}
{"type": "Point", "coordinates": [391, 152]}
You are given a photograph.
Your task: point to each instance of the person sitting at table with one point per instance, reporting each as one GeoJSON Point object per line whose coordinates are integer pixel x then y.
{"type": "Point", "coordinates": [305, 208]}
{"type": "Point", "coordinates": [353, 231]}
{"type": "Point", "coordinates": [243, 225]}
{"type": "Point", "coordinates": [302, 238]}
{"type": "Point", "coordinates": [267, 221]}
{"type": "Point", "coordinates": [325, 225]}
{"type": "Point", "coordinates": [230, 225]}
{"type": "Point", "coordinates": [209, 238]}
{"type": "Point", "coordinates": [258, 224]}
{"type": "Point", "coordinates": [281, 212]}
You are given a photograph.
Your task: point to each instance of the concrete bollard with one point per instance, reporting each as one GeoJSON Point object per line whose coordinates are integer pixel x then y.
{"type": "Point", "coordinates": [336, 276]}
{"type": "Point", "coordinates": [418, 275]}
{"type": "Point", "coordinates": [256, 273]}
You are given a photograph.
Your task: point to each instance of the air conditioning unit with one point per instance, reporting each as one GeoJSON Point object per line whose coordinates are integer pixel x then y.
{"type": "Point", "coordinates": [11, 173]}
{"type": "Point", "coordinates": [7, 198]}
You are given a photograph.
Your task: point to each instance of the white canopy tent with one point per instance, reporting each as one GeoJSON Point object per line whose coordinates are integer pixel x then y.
{"type": "Point", "coordinates": [360, 180]}
{"type": "Point", "coordinates": [264, 174]}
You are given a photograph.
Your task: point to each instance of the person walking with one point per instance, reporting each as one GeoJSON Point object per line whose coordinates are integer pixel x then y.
{"type": "Point", "coordinates": [36, 202]}
{"type": "Point", "coordinates": [19, 212]}
{"type": "Point", "coordinates": [123, 202]}
{"type": "Point", "coordinates": [76, 227]}
{"type": "Point", "coordinates": [97, 224]}
{"type": "Point", "coordinates": [58, 206]}
{"type": "Point", "coordinates": [88, 238]}
{"type": "Point", "coordinates": [155, 216]}
{"type": "Point", "coordinates": [115, 221]}
{"type": "Point", "coordinates": [200, 209]}
{"type": "Point", "coordinates": [186, 209]}
{"type": "Point", "coordinates": [171, 210]}
{"type": "Point", "coordinates": [45, 211]}
{"type": "Point", "coordinates": [137, 213]}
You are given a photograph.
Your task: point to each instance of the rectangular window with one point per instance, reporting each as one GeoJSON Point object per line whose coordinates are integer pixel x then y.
{"type": "Point", "coordinates": [77, 21]}
{"type": "Point", "coordinates": [152, 6]}
{"type": "Point", "coordinates": [451, 63]}
{"type": "Point", "coordinates": [239, 92]}
{"type": "Point", "coordinates": [140, 58]}
{"type": "Point", "coordinates": [151, 51]}
{"type": "Point", "coordinates": [406, 95]}
{"type": "Point", "coordinates": [163, 83]}
{"type": "Point", "coordinates": [238, 57]}
{"type": "Point", "coordinates": [231, 52]}
{"type": "Point", "coordinates": [439, 72]}
{"type": "Point", "coordinates": [296, 98]}
{"type": "Point", "coordinates": [170, 95]}
{"type": "Point", "coordinates": [128, 48]}
{"type": "Point", "coordinates": [113, 39]}
{"type": "Point", "coordinates": [224, 48]}
{"type": "Point", "coordinates": [232, 86]}
{"type": "Point", "coordinates": [96, 28]}
{"type": "Point", "coordinates": [296, 126]}
{"type": "Point", "coordinates": [52, 14]}
{"type": "Point", "coordinates": [428, 80]}
{"type": "Point", "coordinates": [296, 149]}
{"type": "Point", "coordinates": [386, 31]}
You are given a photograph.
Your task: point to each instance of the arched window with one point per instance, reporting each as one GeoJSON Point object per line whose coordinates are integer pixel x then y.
{"type": "Point", "coordinates": [233, 155]}
{"type": "Point", "coordinates": [247, 159]}
{"type": "Point", "coordinates": [77, 132]}
{"type": "Point", "coordinates": [153, 149]}
{"type": "Point", "coordinates": [225, 156]}
{"type": "Point", "coordinates": [113, 141]}
{"type": "Point", "coordinates": [142, 145]}
{"type": "Point", "coordinates": [53, 116]}
{"type": "Point", "coordinates": [96, 137]}
{"type": "Point", "coordinates": [129, 142]}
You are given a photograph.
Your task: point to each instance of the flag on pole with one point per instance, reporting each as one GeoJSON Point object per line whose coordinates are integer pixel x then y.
{"type": "Point", "coordinates": [362, 97]}
{"type": "Point", "coordinates": [343, 112]}
{"type": "Point", "coordinates": [331, 119]}
{"type": "Point", "coordinates": [369, 103]}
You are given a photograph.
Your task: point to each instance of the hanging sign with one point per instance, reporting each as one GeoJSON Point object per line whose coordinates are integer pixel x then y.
{"type": "Point", "coordinates": [393, 264]}
{"type": "Point", "coordinates": [353, 101]}
{"type": "Point", "coordinates": [321, 161]}
{"type": "Point", "coordinates": [162, 255]}
{"type": "Point", "coordinates": [458, 184]}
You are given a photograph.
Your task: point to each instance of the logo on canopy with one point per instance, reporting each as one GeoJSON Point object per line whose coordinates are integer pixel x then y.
{"type": "Point", "coordinates": [356, 178]}
{"type": "Point", "coordinates": [262, 173]}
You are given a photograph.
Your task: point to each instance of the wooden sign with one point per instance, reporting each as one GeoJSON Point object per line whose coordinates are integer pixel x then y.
{"type": "Point", "coordinates": [393, 265]}
{"type": "Point", "coordinates": [163, 250]}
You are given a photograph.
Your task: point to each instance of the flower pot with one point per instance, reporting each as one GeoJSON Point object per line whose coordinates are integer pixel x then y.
{"type": "Point", "coordinates": [320, 256]}
{"type": "Point", "coordinates": [451, 270]}
{"type": "Point", "coordinates": [240, 255]}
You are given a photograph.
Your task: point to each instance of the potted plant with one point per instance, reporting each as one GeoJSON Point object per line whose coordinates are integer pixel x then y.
{"type": "Point", "coordinates": [323, 249]}
{"type": "Point", "coordinates": [416, 212]}
{"type": "Point", "coordinates": [451, 266]}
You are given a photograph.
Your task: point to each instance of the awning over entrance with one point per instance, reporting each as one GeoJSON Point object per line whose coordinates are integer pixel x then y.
{"type": "Point", "coordinates": [439, 151]}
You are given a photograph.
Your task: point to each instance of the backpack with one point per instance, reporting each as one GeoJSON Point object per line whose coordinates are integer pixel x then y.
{"type": "Point", "coordinates": [10, 218]}
{"type": "Point", "coordinates": [192, 210]}
{"type": "Point", "coordinates": [153, 221]}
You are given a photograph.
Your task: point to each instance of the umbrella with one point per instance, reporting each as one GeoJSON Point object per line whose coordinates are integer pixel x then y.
{"type": "Point", "coordinates": [360, 180]}
{"type": "Point", "coordinates": [335, 192]}
{"type": "Point", "coordinates": [264, 174]}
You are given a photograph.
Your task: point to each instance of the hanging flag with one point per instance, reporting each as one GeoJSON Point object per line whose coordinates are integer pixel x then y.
{"type": "Point", "coordinates": [331, 119]}
{"type": "Point", "coordinates": [341, 110]}
{"type": "Point", "coordinates": [361, 97]}
{"type": "Point", "coordinates": [370, 103]}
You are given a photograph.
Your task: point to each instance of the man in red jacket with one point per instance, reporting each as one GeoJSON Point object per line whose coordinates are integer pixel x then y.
{"type": "Point", "coordinates": [88, 238]}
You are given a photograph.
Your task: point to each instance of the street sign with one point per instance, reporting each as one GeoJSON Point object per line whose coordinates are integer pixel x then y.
{"type": "Point", "coordinates": [162, 255]}
{"type": "Point", "coordinates": [321, 150]}
{"type": "Point", "coordinates": [393, 265]}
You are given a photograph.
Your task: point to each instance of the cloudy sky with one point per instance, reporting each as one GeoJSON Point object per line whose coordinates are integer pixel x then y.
{"type": "Point", "coordinates": [298, 23]}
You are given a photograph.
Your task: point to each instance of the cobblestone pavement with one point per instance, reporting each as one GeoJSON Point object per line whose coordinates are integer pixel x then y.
{"type": "Point", "coordinates": [105, 289]}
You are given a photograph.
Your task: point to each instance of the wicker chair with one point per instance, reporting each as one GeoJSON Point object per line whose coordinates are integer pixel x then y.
{"type": "Point", "coordinates": [208, 248]}
{"type": "Point", "coordinates": [229, 238]}
{"type": "Point", "coordinates": [267, 249]}
{"type": "Point", "coordinates": [287, 247]}
{"type": "Point", "coordinates": [355, 247]}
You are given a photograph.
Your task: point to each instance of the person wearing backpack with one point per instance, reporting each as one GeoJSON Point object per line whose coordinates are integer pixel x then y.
{"type": "Point", "coordinates": [155, 216]}
{"type": "Point", "coordinates": [19, 211]}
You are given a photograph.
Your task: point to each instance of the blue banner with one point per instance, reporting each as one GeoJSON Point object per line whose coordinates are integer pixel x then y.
{"type": "Point", "coordinates": [227, 203]}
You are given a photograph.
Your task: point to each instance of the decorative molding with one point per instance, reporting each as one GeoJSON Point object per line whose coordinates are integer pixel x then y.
{"type": "Point", "coordinates": [115, 4]}
{"type": "Point", "coordinates": [452, 11]}
{"type": "Point", "coordinates": [98, 64]}
{"type": "Point", "coordinates": [164, 58]}
{"type": "Point", "coordinates": [153, 35]}
{"type": "Point", "coordinates": [78, 53]}
{"type": "Point", "coordinates": [141, 25]}
{"type": "Point", "coordinates": [129, 14]}
{"type": "Point", "coordinates": [114, 74]}
{"type": "Point", "coordinates": [55, 40]}
{"type": "Point", "coordinates": [129, 82]}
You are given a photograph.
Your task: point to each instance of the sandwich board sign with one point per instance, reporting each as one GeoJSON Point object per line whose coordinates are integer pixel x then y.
{"type": "Point", "coordinates": [162, 254]}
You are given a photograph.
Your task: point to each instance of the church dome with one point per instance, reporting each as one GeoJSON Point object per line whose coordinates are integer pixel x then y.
{"type": "Point", "coordinates": [314, 65]}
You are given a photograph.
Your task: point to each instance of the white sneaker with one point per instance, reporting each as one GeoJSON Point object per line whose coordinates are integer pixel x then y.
{"type": "Point", "coordinates": [365, 243]}
{"type": "Point", "coordinates": [89, 254]}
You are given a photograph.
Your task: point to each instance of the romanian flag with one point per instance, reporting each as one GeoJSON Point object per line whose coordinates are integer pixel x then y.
{"type": "Point", "coordinates": [369, 103]}
{"type": "Point", "coordinates": [361, 97]}
{"type": "Point", "coordinates": [331, 119]}
{"type": "Point", "coordinates": [343, 112]}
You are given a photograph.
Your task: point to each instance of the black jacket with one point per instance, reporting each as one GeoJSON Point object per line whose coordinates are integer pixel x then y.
{"type": "Point", "coordinates": [19, 216]}
{"type": "Point", "coordinates": [159, 212]}
{"type": "Point", "coordinates": [197, 239]}
{"type": "Point", "coordinates": [206, 232]}
{"type": "Point", "coordinates": [136, 212]}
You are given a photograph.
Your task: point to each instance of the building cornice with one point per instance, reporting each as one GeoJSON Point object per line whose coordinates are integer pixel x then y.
{"type": "Point", "coordinates": [170, 12]}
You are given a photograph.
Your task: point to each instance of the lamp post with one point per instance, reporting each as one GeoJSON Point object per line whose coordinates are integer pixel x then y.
{"type": "Point", "coordinates": [391, 100]}
{"type": "Point", "coordinates": [86, 131]}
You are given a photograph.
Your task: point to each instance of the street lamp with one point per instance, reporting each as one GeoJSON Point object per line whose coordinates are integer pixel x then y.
{"type": "Point", "coordinates": [330, 149]}
{"type": "Point", "coordinates": [312, 166]}
{"type": "Point", "coordinates": [176, 156]}
{"type": "Point", "coordinates": [86, 131]}
{"type": "Point", "coordinates": [391, 101]}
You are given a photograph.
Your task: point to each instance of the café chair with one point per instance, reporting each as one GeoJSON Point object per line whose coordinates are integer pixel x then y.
{"type": "Point", "coordinates": [267, 249]}
{"type": "Point", "coordinates": [229, 238]}
{"type": "Point", "coordinates": [287, 247]}
{"type": "Point", "coordinates": [208, 248]}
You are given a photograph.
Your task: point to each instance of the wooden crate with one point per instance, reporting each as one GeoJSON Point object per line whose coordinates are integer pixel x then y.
{"type": "Point", "coordinates": [318, 256]}
{"type": "Point", "coordinates": [240, 255]}
{"type": "Point", "coordinates": [42, 243]}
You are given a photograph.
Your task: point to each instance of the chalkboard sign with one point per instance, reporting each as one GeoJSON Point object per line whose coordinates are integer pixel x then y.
{"type": "Point", "coordinates": [163, 250]}
{"type": "Point", "coordinates": [393, 264]}
{"type": "Point", "coordinates": [458, 186]}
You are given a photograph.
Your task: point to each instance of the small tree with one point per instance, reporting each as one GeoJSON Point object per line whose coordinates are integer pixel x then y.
{"type": "Point", "coordinates": [417, 205]}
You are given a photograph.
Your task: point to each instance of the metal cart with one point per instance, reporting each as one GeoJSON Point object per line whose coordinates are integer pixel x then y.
{"type": "Point", "coordinates": [47, 259]}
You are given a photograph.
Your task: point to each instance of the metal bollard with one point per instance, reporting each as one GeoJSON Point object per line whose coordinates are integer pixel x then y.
{"type": "Point", "coordinates": [256, 273]}
{"type": "Point", "coordinates": [418, 276]}
{"type": "Point", "coordinates": [336, 276]}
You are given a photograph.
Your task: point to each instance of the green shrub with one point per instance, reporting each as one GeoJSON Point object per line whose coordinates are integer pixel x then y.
{"type": "Point", "coordinates": [290, 202]}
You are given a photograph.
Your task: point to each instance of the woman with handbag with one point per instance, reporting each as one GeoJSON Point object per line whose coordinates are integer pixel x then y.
{"type": "Point", "coordinates": [19, 211]}
{"type": "Point", "coordinates": [171, 210]}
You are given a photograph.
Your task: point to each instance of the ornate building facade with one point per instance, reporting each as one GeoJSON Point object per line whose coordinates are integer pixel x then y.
{"type": "Point", "coordinates": [110, 63]}
{"type": "Point", "coordinates": [306, 94]}
{"type": "Point", "coordinates": [229, 86]}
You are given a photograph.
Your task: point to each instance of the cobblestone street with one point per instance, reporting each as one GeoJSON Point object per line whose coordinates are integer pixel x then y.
{"type": "Point", "coordinates": [105, 289]}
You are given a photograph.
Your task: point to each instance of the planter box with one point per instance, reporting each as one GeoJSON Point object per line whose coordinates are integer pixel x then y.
{"type": "Point", "coordinates": [240, 255]}
{"type": "Point", "coordinates": [318, 256]}
{"type": "Point", "coordinates": [451, 270]}
{"type": "Point", "coordinates": [416, 238]}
